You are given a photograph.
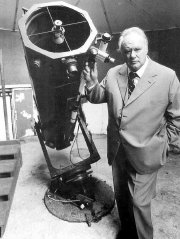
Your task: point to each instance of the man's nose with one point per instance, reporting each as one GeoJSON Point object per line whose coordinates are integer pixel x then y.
{"type": "Point", "coordinates": [133, 53]}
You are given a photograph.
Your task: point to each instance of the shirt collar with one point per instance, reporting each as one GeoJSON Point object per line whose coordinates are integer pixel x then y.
{"type": "Point", "coordinates": [141, 71]}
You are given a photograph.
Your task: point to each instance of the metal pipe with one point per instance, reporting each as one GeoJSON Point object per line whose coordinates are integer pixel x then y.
{"type": "Point", "coordinates": [106, 16]}
{"type": "Point", "coordinates": [15, 15]}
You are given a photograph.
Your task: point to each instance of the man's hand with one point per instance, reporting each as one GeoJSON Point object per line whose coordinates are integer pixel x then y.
{"type": "Point", "coordinates": [90, 74]}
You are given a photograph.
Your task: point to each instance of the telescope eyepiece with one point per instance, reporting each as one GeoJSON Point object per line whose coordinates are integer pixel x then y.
{"type": "Point", "coordinates": [106, 37]}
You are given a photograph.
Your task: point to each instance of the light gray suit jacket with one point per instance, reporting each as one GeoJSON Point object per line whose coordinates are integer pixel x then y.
{"type": "Point", "coordinates": [147, 122]}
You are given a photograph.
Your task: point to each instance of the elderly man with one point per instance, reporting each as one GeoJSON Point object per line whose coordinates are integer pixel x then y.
{"type": "Point", "coordinates": [143, 99]}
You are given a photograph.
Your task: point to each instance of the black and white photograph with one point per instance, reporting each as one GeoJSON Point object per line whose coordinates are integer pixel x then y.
{"type": "Point", "coordinates": [89, 119]}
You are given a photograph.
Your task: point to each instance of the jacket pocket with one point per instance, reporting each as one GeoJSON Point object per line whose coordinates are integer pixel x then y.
{"type": "Point", "coordinates": [150, 157]}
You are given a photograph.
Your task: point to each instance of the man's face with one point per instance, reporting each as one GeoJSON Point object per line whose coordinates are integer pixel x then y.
{"type": "Point", "coordinates": [134, 51]}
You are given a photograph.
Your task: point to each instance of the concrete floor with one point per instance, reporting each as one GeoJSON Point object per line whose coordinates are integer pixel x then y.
{"type": "Point", "coordinates": [30, 219]}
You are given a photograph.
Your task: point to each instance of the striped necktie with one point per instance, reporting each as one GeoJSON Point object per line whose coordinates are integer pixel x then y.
{"type": "Point", "coordinates": [131, 84]}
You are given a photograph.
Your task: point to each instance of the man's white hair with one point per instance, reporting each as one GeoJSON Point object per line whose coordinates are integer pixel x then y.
{"type": "Point", "coordinates": [128, 31]}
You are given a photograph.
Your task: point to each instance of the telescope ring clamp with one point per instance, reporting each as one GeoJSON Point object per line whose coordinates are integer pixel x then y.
{"type": "Point", "coordinates": [71, 64]}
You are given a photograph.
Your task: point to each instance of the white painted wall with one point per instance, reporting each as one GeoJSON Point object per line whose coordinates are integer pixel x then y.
{"type": "Point", "coordinates": [96, 117]}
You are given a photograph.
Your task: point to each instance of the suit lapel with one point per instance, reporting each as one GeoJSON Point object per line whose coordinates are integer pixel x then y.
{"type": "Point", "coordinates": [146, 81]}
{"type": "Point", "coordinates": [122, 83]}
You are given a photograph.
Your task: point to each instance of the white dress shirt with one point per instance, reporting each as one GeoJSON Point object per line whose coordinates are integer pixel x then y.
{"type": "Point", "coordinates": [140, 72]}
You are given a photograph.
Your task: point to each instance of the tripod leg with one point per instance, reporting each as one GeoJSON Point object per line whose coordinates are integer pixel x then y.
{"type": "Point", "coordinates": [94, 155]}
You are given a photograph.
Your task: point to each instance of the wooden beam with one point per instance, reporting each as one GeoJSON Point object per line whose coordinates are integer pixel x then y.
{"type": "Point", "coordinates": [8, 178]}
{"type": "Point", "coordinates": [4, 97]}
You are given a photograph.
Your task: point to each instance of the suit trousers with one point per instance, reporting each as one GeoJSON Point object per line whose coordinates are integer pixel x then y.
{"type": "Point", "coordinates": [133, 193]}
